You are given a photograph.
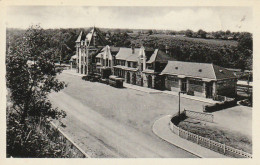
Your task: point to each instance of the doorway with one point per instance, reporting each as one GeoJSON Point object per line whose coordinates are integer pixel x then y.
{"type": "Point", "coordinates": [209, 89]}
{"type": "Point", "coordinates": [128, 77]}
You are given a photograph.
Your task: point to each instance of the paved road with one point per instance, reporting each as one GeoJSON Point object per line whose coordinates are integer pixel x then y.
{"type": "Point", "coordinates": [102, 134]}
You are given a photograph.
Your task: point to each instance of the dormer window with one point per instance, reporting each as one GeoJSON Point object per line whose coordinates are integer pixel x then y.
{"type": "Point", "coordinates": [221, 71]}
{"type": "Point", "coordinates": [176, 68]}
{"type": "Point", "coordinates": [200, 70]}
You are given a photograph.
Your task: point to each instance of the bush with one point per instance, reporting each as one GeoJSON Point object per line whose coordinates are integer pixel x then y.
{"type": "Point", "coordinates": [28, 140]}
{"type": "Point", "coordinates": [220, 106]}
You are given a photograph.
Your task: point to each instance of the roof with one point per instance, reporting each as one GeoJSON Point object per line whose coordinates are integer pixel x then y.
{"type": "Point", "coordinates": [197, 70]}
{"type": "Point", "coordinates": [73, 57]}
{"type": "Point", "coordinates": [79, 37]}
{"type": "Point", "coordinates": [100, 39]}
{"type": "Point", "coordinates": [153, 57]}
{"type": "Point", "coordinates": [126, 54]}
{"type": "Point", "coordinates": [159, 56]}
{"type": "Point", "coordinates": [105, 53]}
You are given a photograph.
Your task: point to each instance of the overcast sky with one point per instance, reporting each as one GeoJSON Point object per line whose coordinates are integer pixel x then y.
{"type": "Point", "coordinates": [172, 18]}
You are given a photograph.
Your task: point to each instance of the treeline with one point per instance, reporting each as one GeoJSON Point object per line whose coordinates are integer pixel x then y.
{"type": "Point", "coordinates": [188, 48]}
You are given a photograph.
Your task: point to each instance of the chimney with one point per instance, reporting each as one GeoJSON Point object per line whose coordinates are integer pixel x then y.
{"type": "Point", "coordinates": [144, 58]}
{"type": "Point", "coordinates": [133, 48]}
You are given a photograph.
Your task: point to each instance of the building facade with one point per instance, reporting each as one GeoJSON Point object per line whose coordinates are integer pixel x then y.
{"type": "Point", "coordinates": [87, 46]}
{"type": "Point", "coordinates": [200, 79]}
{"type": "Point", "coordinates": [152, 68]}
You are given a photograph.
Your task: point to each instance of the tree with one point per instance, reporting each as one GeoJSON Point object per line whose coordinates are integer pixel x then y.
{"type": "Point", "coordinates": [245, 41]}
{"type": "Point", "coordinates": [150, 32]}
{"type": "Point", "coordinates": [189, 33]}
{"type": "Point", "coordinates": [31, 75]}
{"type": "Point", "coordinates": [202, 33]}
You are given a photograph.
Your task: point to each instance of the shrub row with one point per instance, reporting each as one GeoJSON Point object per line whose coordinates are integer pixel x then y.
{"type": "Point", "coordinates": [219, 106]}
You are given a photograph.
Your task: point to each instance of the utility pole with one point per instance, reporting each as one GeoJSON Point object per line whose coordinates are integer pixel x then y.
{"type": "Point", "coordinates": [180, 105]}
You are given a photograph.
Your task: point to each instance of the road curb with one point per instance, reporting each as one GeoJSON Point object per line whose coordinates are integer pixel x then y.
{"type": "Point", "coordinates": [161, 129]}
{"type": "Point", "coordinates": [171, 142]}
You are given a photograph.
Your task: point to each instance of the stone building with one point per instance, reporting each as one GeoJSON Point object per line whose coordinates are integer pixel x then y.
{"type": "Point", "coordinates": [87, 46]}
{"type": "Point", "coordinates": [141, 66]}
{"type": "Point", "coordinates": [202, 79]}
{"type": "Point", "coordinates": [105, 60]}
{"type": "Point", "coordinates": [149, 67]}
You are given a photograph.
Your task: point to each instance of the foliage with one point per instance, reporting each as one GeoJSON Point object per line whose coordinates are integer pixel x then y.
{"type": "Point", "coordinates": [202, 33]}
{"type": "Point", "coordinates": [189, 33]}
{"type": "Point", "coordinates": [28, 140]}
{"type": "Point", "coordinates": [221, 49]}
{"type": "Point", "coordinates": [30, 77]}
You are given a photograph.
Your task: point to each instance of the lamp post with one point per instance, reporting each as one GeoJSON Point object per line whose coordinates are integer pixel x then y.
{"type": "Point", "coordinates": [180, 104]}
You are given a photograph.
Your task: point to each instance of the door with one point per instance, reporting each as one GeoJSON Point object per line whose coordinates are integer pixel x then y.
{"type": "Point", "coordinates": [209, 88]}
{"type": "Point", "coordinates": [150, 81]}
{"type": "Point", "coordinates": [128, 77]}
{"type": "Point", "coordinates": [184, 85]}
{"type": "Point", "coordinates": [134, 79]}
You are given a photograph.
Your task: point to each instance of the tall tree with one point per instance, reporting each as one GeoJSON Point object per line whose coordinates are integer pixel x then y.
{"type": "Point", "coordinates": [31, 76]}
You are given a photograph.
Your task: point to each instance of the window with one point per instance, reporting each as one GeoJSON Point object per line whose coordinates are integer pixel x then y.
{"type": "Point", "coordinates": [135, 65]}
{"type": "Point", "coordinates": [196, 82]}
{"type": "Point", "coordinates": [173, 78]}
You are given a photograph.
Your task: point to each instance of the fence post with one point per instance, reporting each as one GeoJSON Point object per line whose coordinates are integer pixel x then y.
{"type": "Point", "coordinates": [209, 142]}
{"type": "Point", "coordinates": [197, 139]}
{"type": "Point", "coordinates": [178, 128]}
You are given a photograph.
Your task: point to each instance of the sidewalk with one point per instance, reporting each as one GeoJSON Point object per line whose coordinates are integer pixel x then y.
{"type": "Point", "coordinates": [143, 89]}
{"type": "Point", "coordinates": [153, 91]}
{"type": "Point", "coordinates": [202, 99]}
{"type": "Point", "coordinates": [72, 72]}
{"type": "Point", "coordinates": [149, 90]}
{"type": "Point", "coordinates": [161, 129]}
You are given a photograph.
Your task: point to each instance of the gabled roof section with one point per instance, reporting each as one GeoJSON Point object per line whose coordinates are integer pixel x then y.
{"type": "Point", "coordinates": [79, 37]}
{"type": "Point", "coordinates": [222, 73]}
{"type": "Point", "coordinates": [163, 57]}
{"type": "Point", "coordinates": [190, 69]}
{"type": "Point", "coordinates": [126, 54]}
{"type": "Point", "coordinates": [159, 56]}
{"type": "Point", "coordinates": [99, 38]}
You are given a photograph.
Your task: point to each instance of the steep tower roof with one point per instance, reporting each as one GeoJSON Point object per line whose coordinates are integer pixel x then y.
{"type": "Point", "coordinates": [95, 37]}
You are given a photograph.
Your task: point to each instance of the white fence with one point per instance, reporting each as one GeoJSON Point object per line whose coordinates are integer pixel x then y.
{"type": "Point", "coordinates": [199, 116]}
{"type": "Point", "coordinates": [205, 142]}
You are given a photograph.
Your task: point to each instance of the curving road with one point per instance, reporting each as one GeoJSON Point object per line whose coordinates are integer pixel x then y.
{"type": "Point", "coordinates": [102, 128]}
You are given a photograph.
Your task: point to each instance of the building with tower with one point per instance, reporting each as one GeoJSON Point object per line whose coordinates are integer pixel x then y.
{"type": "Point", "coordinates": [150, 67]}
{"type": "Point", "coordinates": [87, 46]}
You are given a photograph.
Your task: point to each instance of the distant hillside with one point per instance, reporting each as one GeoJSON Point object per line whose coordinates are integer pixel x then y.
{"type": "Point", "coordinates": [234, 53]}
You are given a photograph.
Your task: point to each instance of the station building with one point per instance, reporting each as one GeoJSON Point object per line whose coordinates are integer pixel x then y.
{"type": "Point", "coordinates": [201, 79]}
{"type": "Point", "coordinates": [152, 68]}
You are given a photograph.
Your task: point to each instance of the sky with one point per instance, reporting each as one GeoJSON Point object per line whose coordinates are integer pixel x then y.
{"type": "Point", "coordinates": [166, 18]}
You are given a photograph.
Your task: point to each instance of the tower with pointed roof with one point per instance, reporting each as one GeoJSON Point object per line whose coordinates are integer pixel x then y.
{"type": "Point", "coordinates": [87, 47]}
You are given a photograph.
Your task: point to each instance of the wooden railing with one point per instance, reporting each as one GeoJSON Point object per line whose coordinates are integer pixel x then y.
{"type": "Point", "coordinates": [210, 144]}
{"type": "Point", "coordinates": [199, 115]}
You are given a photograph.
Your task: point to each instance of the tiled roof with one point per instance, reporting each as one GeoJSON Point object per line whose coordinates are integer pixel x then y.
{"type": "Point", "coordinates": [197, 70]}
{"type": "Point", "coordinates": [163, 57]}
{"type": "Point", "coordinates": [126, 54]}
{"type": "Point", "coordinates": [159, 56]}
{"type": "Point", "coordinates": [152, 58]}
{"type": "Point", "coordinates": [79, 37]}
{"type": "Point", "coordinates": [222, 73]}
